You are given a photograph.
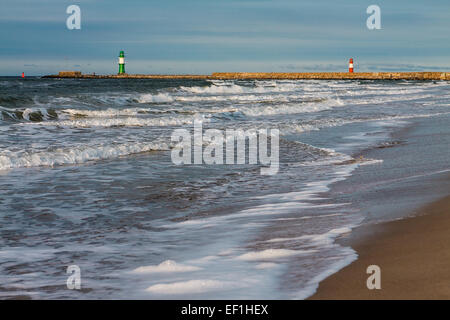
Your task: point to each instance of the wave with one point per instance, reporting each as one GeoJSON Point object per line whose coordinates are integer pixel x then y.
{"type": "Point", "coordinates": [237, 98]}
{"type": "Point", "coordinates": [280, 93]}
{"type": "Point", "coordinates": [231, 88]}
{"type": "Point", "coordinates": [108, 113]}
{"type": "Point", "coordinates": [133, 116]}
{"type": "Point", "coordinates": [158, 98]}
{"type": "Point", "coordinates": [292, 108]}
{"type": "Point", "coordinates": [240, 98]}
{"type": "Point", "coordinates": [29, 114]}
{"type": "Point", "coordinates": [75, 155]}
{"type": "Point", "coordinates": [124, 122]}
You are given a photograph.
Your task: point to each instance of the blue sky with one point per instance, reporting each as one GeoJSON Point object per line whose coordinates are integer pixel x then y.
{"type": "Point", "coordinates": [204, 36]}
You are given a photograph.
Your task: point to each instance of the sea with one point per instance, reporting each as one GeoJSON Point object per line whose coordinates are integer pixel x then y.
{"type": "Point", "coordinates": [87, 180]}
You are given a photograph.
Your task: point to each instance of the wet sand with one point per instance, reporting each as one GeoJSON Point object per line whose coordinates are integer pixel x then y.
{"type": "Point", "coordinates": [413, 255]}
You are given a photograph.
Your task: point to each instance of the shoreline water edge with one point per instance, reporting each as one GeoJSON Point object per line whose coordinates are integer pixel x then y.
{"type": "Point", "coordinates": [407, 216]}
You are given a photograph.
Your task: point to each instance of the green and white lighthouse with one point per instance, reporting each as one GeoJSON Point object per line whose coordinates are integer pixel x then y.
{"type": "Point", "coordinates": [121, 62]}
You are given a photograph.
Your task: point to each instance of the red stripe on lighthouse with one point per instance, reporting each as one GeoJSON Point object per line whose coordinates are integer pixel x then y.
{"type": "Point", "coordinates": [350, 65]}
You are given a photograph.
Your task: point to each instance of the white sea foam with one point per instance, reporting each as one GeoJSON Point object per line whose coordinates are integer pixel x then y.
{"type": "Point", "coordinates": [240, 89]}
{"type": "Point", "coordinates": [329, 237]}
{"type": "Point", "coordinates": [366, 162]}
{"type": "Point", "coordinates": [248, 98]}
{"type": "Point", "coordinates": [107, 113]}
{"type": "Point", "coordinates": [291, 108]}
{"type": "Point", "coordinates": [74, 155]}
{"type": "Point", "coordinates": [155, 98]}
{"type": "Point", "coordinates": [271, 254]}
{"type": "Point", "coordinates": [346, 256]}
{"type": "Point", "coordinates": [190, 286]}
{"type": "Point", "coordinates": [266, 265]}
{"type": "Point", "coordinates": [168, 266]}
{"type": "Point", "coordinates": [123, 122]}
{"type": "Point", "coordinates": [318, 239]}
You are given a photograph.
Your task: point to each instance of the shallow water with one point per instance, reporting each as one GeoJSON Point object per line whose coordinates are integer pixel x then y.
{"type": "Point", "coordinates": [86, 179]}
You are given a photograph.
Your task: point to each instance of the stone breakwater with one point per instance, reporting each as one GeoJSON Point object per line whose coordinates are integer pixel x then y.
{"type": "Point", "coordinates": [338, 75]}
{"type": "Point", "coordinates": [272, 75]}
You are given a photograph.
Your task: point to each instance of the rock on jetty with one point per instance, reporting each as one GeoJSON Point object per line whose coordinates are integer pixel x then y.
{"type": "Point", "coordinates": [69, 74]}
{"type": "Point", "coordinates": [270, 75]}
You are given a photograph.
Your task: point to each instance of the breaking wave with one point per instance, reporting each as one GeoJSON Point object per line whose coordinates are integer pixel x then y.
{"type": "Point", "coordinates": [291, 108]}
{"type": "Point", "coordinates": [125, 122]}
{"type": "Point", "coordinates": [74, 155]}
{"type": "Point", "coordinates": [29, 114]}
{"type": "Point", "coordinates": [258, 88]}
{"type": "Point", "coordinates": [158, 98]}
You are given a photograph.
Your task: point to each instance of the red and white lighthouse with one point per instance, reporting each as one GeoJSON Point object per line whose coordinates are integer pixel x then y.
{"type": "Point", "coordinates": [350, 65]}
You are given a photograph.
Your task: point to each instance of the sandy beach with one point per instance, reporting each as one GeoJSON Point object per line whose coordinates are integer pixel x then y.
{"type": "Point", "coordinates": [412, 253]}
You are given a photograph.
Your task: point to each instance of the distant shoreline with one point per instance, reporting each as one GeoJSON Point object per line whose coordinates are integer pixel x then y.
{"type": "Point", "coordinates": [270, 76]}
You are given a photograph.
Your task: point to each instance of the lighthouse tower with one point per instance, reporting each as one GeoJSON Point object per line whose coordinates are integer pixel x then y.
{"type": "Point", "coordinates": [121, 62]}
{"type": "Point", "coordinates": [350, 65]}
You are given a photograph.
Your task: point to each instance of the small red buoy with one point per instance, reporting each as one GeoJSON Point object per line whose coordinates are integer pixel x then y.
{"type": "Point", "coordinates": [350, 65]}
{"type": "Point", "coordinates": [23, 74]}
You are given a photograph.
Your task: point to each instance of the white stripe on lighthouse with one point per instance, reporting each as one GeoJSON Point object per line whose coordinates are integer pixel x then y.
{"type": "Point", "coordinates": [121, 60]}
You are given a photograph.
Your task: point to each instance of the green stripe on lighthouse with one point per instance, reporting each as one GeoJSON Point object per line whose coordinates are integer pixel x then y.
{"type": "Point", "coordinates": [121, 62]}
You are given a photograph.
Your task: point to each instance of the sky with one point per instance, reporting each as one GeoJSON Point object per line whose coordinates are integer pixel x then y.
{"type": "Point", "coordinates": [205, 36]}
